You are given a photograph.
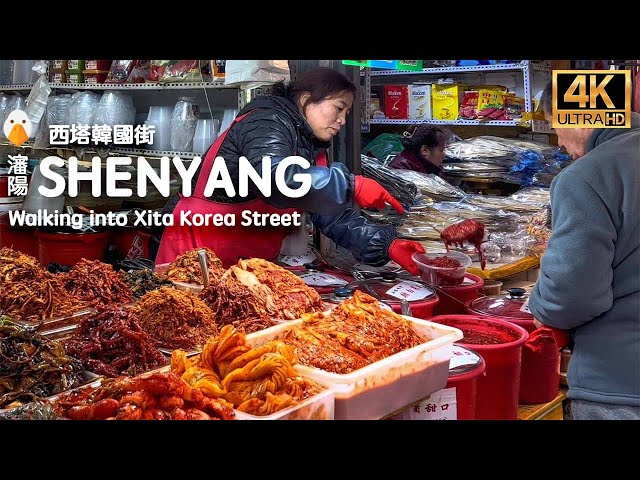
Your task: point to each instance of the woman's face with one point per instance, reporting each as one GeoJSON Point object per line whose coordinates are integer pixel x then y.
{"type": "Point", "coordinates": [329, 115]}
{"type": "Point", "coordinates": [434, 155]}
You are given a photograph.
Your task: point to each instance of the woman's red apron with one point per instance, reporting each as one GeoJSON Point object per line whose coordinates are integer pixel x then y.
{"type": "Point", "coordinates": [231, 243]}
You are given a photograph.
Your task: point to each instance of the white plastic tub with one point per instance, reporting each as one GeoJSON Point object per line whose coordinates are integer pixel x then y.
{"type": "Point", "coordinates": [388, 385]}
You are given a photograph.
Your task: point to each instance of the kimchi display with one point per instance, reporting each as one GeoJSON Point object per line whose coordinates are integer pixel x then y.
{"type": "Point", "coordinates": [354, 334]}
{"type": "Point", "coordinates": [97, 283]}
{"type": "Point", "coordinates": [258, 289]}
{"type": "Point", "coordinates": [258, 381]}
{"type": "Point", "coordinates": [186, 267]}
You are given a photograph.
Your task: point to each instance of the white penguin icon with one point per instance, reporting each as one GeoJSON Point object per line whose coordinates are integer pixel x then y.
{"type": "Point", "coordinates": [17, 127]}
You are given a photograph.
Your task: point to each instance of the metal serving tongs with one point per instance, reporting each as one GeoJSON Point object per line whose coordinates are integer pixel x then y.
{"type": "Point", "coordinates": [363, 276]}
{"type": "Point", "coordinates": [204, 266]}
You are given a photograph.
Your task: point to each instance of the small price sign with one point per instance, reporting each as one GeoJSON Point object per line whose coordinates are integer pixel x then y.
{"type": "Point", "coordinates": [409, 291]}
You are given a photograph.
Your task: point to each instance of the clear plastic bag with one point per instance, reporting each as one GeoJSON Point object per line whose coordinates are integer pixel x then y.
{"type": "Point", "coordinates": [115, 108]}
{"type": "Point", "coordinates": [82, 109]}
{"type": "Point", "coordinates": [57, 114]}
{"type": "Point", "coordinates": [261, 71]}
{"type": "Point", "coordinates": [120, 70]}
{"type": "Point", "coordinates": [183, 125]}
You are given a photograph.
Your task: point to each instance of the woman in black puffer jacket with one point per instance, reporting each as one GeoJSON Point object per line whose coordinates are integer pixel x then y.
{"type": "Point", "coordinates": [298, 119]}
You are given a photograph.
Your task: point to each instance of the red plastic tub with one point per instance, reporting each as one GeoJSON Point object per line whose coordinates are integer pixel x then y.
{"type": "Point", "coordinates": [500, 344]}
{"type": "Point", "coordinates": [540, 377]}
{"type": "Point", "coordinates": [132, 242]}
{"type": "Point", "coordinates": [453, 299]}
{"type": "Point", "coordinates": [18, 238]}
{"type": "Point", "coordinates": [68, 248]}
{"type": "Point", "coordinates": [465, 368]}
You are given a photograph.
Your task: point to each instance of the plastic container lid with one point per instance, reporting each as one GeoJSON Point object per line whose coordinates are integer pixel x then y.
{"type": "Point", "coordinates": [463, 360]}
{"type": "Point", "coordinates": [390, 287]}
{"type": "Point", "coordinates": [511, 305]}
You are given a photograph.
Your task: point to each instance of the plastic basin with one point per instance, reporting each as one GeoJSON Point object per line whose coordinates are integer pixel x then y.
{"type": "Point", "coordinates": [442, 276]}
{"type": "Point", "coordinates": [69, 248]}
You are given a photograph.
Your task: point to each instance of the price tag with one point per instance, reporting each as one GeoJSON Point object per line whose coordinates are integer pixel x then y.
{"type": "Point", "coordinates": [462, 356]}
{"type": "Point", "coordinates": [322, 280]}
{"type": "Point", "coordinates": [440, 405]}
{"type": "Point", "coordinates": [299, 260]}
{"type": "Point", "coordinates": [409, 291]}
{"type": "Point", "coordinates": [468, 281]}
{"type": "Point", "coordinates": [525, 307]}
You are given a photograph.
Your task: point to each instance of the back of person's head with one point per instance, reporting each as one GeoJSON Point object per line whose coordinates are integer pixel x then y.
{"type": "Point", "coordinates": [428, 135]}
{"type": "Point", "coordinates": [321, 83]}
{"type": "Point", "coordinates": [546, 100]}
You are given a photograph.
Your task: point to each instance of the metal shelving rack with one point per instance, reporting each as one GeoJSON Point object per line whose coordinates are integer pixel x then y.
{"type": "Point", "coordinates": [529, 69]}
{"type": "Point", "coordinates": [242, 97]}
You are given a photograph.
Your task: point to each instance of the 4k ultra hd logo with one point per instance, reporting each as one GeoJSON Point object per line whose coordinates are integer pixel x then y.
{"type": "Point", "coordinates": [591, 99]}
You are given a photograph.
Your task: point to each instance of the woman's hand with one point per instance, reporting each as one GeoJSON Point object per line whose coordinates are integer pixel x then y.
{"type": "Point", "coordinates": [400, 251]}
{"type": "Point", "coordinates": [370, 194]}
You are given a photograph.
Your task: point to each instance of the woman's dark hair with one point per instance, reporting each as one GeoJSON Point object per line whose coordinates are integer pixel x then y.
{"type": "Point", "coordinates": [321, 83]}
{"type": "Point", "coordinates": [428, 135]}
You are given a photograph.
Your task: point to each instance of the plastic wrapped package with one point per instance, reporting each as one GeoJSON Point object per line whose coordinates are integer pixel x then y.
{"type": "Point", "coordinates": [383, 146]}
{"type": "Point", "coordinates": [115, 108]}
{"type": "Point", "coordinates": [490, 148]}
{"type": "Point", "coordinates": [167, 71]}
{"type": "Point", "coordinates": [183, 125]}
{"type": "Point", "coordinates": [260, 71]}
{"type": "Point", "coordinates": [57, 114]}
{"type": "Point", "coordinates": [228, 117]}
{"type": "Point", "coordinates": [4, 101]}
{"type": "Point", "coordinates": [39, 95]}
{"type": "Point", "coordinates": [83, 108]}
{"type": "Point", "coordinates": [120, 71]}
{"type": "Point", "coordinates": [139, 72]}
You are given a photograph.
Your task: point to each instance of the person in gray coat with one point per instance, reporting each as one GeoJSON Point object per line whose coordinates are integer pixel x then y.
{"type": "Point", "coordinates": [589, 281]}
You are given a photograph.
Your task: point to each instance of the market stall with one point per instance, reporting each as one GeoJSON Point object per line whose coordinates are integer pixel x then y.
{"type": "Point", "coordinates": [95, 330]}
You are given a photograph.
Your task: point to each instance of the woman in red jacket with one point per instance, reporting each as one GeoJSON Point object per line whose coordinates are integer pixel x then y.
{"type": "Point", "coordinates": [423, 150]}
{"type": "Point", "coordinates": [299, 119]}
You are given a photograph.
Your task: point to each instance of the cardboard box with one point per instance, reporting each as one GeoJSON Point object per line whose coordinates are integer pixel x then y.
{"type": "Point", "coordinates": [446, 99]}
{"type": "Point", "coordinates": [420, 101]}
{"type": "Point", "coordinates": [396, 101]}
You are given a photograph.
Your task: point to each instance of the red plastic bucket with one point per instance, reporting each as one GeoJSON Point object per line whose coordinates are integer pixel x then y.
{"type": "Point", "coordinates": [465, 368]}
{"type": "Point", "coordinates": [500, 344]}
{"type": "Point", "coordinates": [540, 377]}
{"type": "Point", "coordinates": [465, 293]}
{"type": "Point", "coordinates": [132, 242]}
{"type": "Point", "coordinates": [420, 308]}
{"type": "Point", "coordinates": [68, 248]}
{"type": "Point", "coordinates": [21, 239]}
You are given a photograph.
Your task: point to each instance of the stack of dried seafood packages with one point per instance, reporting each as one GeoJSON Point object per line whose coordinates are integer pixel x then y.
{"type": "Point", "coordinates": [259, 381]}
{"type": "Point", "coordinates": [30, 293]}
{"type": "Point", "coordinates": [254, 292]}
{"type": "Point", "coordinates": [504, 159]}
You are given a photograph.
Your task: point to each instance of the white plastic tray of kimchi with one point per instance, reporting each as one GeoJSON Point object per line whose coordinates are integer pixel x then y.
{"type": "Point", "coordinates": [386, 386]}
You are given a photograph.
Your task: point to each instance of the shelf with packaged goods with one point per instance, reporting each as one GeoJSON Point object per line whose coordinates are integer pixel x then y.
{"type": "Point", "coordinates": [113, 150]}
{"type": "Point", "coordinates": [125, 86]}
{"type": "Point", "coordinates": [531, 78]}
{"type": "Point", "coordinates": [462, 69]}
{"type": "Point", "coordinates": [409, 121]}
